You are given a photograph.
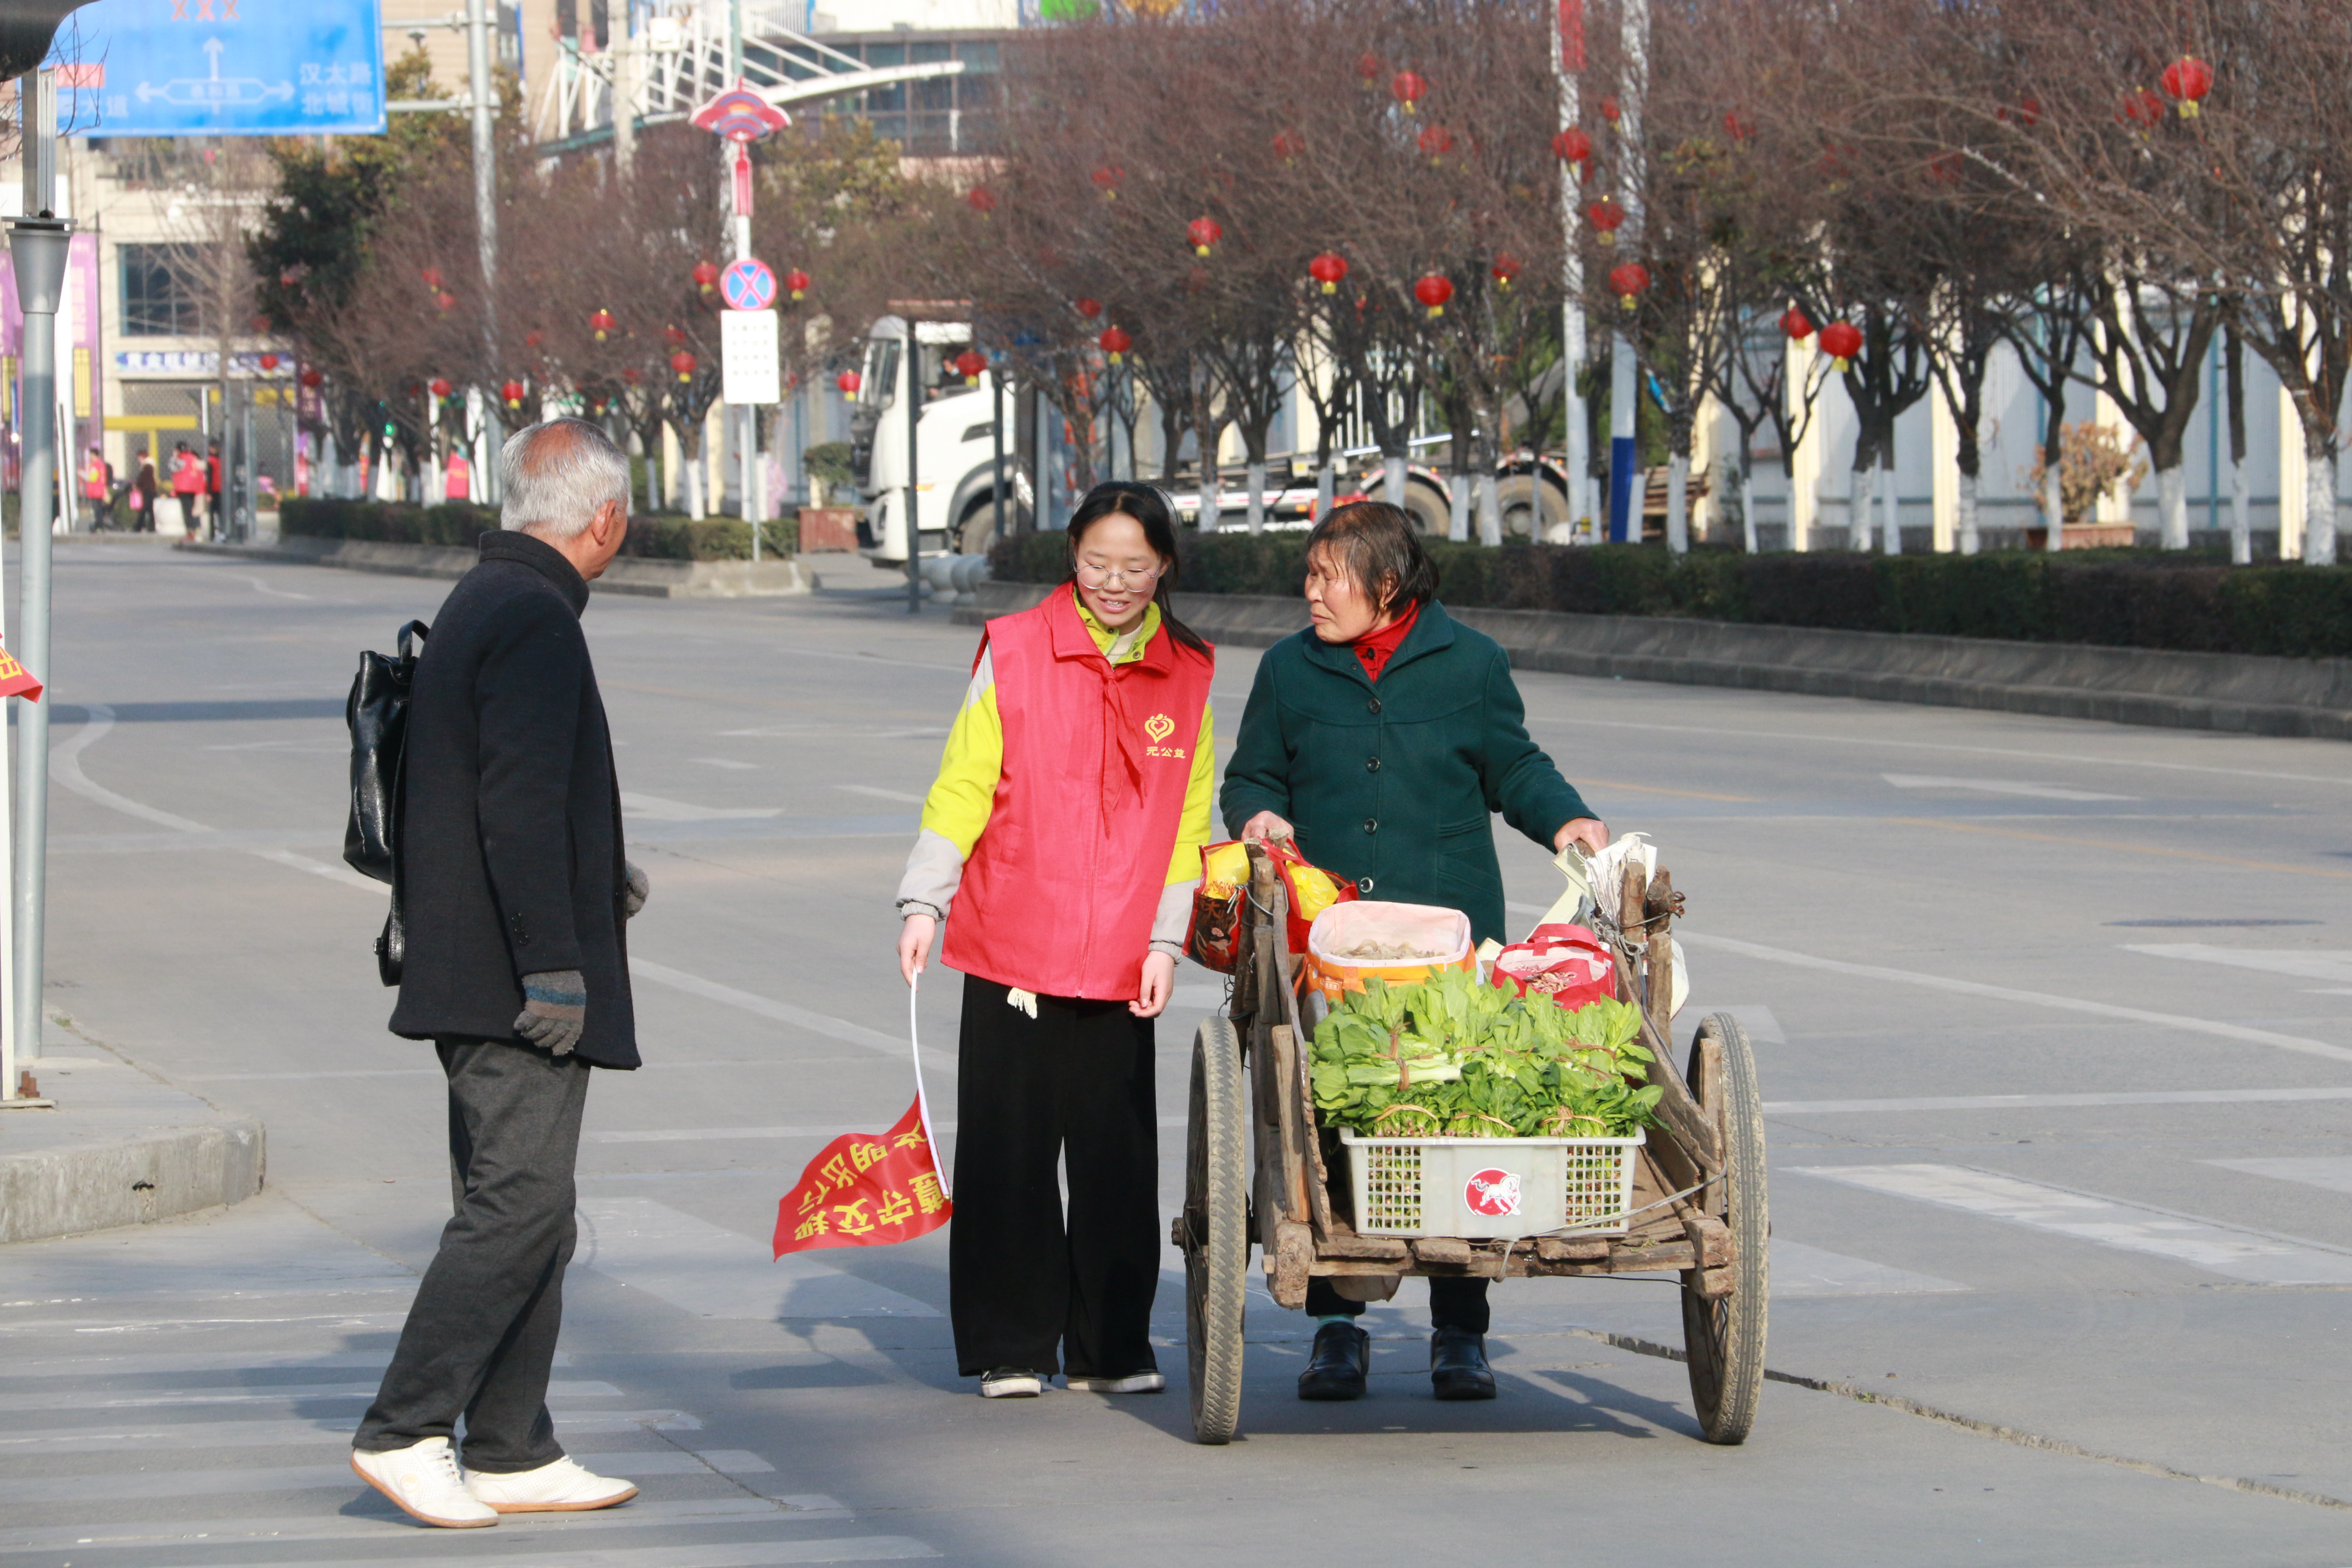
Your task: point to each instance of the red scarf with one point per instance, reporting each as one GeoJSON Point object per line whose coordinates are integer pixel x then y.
{"type": "Point", "coordinates": [1373, 648]}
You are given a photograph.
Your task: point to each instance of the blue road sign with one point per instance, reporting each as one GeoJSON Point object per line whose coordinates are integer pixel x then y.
{"type": "Point", "coordinates": [223, 68]}
{"type": "Point", "coordinates": [749, 285]}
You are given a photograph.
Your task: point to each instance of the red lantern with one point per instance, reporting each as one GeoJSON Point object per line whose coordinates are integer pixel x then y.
{"type": "Point", "coordinates": [1610, 112]}
{"type": "Point", "coordinates": [1115, 342]}
{"type": "Point", "coordinates": [1606, 218]}
{"type": "Point", "coordinates": [1408, 88]}
{"type": "Point", "coordinates": [446, 299]}
{"type": "Point", "coordinates": [1204, 233]}
{"type": "Point", "coordinates": [1432, 290]}
{"type": "Point", "coordinates": [1841, 341]}
{"type": "Point", "coordinates": [968, 364]}
{"type": "Point", "coordinates": [1369, 67]}
{"type": "Point", "coordinates": [705, 276]}
{"type": "Point", "coordinates": [631, 377]}
{"type": "Point", "coordinates": [314, 378]}
{"type": "Point", "coordinates": [1735, 127]}
{"type": "Point", "coordinates": [849, 381]}
{"type": "Point", "coordinates": [1506, 266]}
{"type": "Point", "coordinates": [797, 282]}
{"type": "Point", "coordinates": [980, 200]}
{"type": "Point", "coordinates": [1571, 146]}
{"type": "Point", "coordinates": [2189, 79]}
{"type": "Point", "coordinates": [603, 323]}
{"type": "Point", "coordinates": [531, 340]}
{"type": "Point", "coordinates": [269, 362]}
{"type": "Point", "coordinates": [1328, 268]}
{"type": "Point", "coordinates": [1629, 279]}
{"type": "Point", "coordinates": [673, 336]}
{"type": "Point", "coordinates": [2142, 109]}
{"type": "Point", "coordinates": [1289, 145]}
{"type": "Point", "coordinates": [432, 275]}
{"type": "Point", "coordinates": [513, 391]}
{"type": "Point", "coordinates": [440, 387]}
{"type": "Point", "coordinates": [1089, 309]}
{"type": "Point", "coordinates": [683, 362]}
{"type": "Point", "coordinates": [1795, 323]}
{"type": "Point", "coordinates": [1107, 179]}
{"type": "Point", "coordinates": [1437, 140]}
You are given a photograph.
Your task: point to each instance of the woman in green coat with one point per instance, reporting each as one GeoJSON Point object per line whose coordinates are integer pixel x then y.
{"type": "Point", "coordinates": [1384, 739]}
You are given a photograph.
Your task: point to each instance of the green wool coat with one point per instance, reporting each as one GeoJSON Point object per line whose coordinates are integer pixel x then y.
{"type": "Point", "coordinates": [1394, 785]}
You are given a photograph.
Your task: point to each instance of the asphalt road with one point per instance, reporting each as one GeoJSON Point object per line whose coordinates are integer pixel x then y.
{"type": "Point", "coordinates": [2052, 1018]}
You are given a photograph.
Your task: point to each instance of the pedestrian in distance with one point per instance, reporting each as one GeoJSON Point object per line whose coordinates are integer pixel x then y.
{"type": "Point", "coordinates": [188, 486]}
{"type": "Point", "coordinates": [516, 894]}
{"type": "Point", "coordinates": [214, 525]}
{"type": "Point", "coordinates": [144, 491]}
{"type": "Point", "coordinates": [1382, 739]}
{"type": "Point", "coordinates": [1061, 846]}
{"type": "Point", "coordinates": [98, 489]}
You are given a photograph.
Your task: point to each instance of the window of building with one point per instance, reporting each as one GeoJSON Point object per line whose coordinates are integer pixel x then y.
{"type": "Point", "coordinates": [159, 299]}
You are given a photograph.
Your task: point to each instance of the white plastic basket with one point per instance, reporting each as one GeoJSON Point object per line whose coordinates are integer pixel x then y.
{"type": "Point", "coordinates": [1482, 1187]}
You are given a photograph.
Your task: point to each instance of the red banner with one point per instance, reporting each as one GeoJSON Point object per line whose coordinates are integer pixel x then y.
{"type": "Point", "coordinates": [16, 680]}
{"type": "Point", "coordinates": [865, 1190]}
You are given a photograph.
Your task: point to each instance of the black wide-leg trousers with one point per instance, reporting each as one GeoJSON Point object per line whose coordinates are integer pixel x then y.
{"type": "Point", "coordinates": [1072, 1087]}
{"type": "Point", "coordinates": [480, 1336]}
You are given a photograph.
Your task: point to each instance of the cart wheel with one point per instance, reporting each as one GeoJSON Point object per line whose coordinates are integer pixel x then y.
{"type": "Point", "coordinates": [1724, 1337]}
{"type": "Point", "coordinates": [1216, 1230]}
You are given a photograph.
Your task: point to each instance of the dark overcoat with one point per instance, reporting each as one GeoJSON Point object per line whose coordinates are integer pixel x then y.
{"type": "Point", "coordinates": [510, 836]}
{"type": "Point", "coordinates": [1394, 784]}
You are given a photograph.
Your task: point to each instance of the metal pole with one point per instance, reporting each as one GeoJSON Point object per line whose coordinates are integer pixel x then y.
{"type": "Point", "coordinates": [744, 427]}
{"type": "Point", "coordinates": [486, 194]}
{"type": "Point", "coordinates": [626, 67]}
{"type": "Point", "coordinates": [914, 396]}
{"type": "Point", "coordinates": [1568, 59]}
{"type": "Point", "coordinates": [996, 473]}
{"type": "Point", "coordinates": [734, 41]}
{"type": "Point", "coordinates": [37, 248]}
{"type": "Point", "coordinates": [1624, 376]}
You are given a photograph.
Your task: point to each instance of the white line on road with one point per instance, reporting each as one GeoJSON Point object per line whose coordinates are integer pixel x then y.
{"type": "Point", "coordinates": [742, 1555]}
{"type": "Point", "coordinates": [718, 1273]}
{"type": "Point", "coordinates": [880, 794]}
{"type": "Point", "coordinates": [294, 1433]}
{"type": "Point", "coordinates": [18, 1404]}
{"type": "Point", "coordinates": [1997, 786]}
{"type": "Point", "coordinates": [2048, 1101]}
{"type": "Point", "coordinates": [2332, 1172]}
{"type": "Point", "coordinates": [385, 1527]}
{"type": "Point", "coordinates": [1801, 1270]}
{"type": "Point", "coordinates": [2299, 962]}
{"type": "Point", "coordinates": [657, 808]}
{"type": "Point", "coordinates": [111, 1485]}
{"type": "Point", "coordinates": [782, 1012]}
{"type": "Point", "coordinates": [2235, 1251]}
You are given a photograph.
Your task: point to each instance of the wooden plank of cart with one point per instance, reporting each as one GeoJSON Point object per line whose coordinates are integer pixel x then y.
{"type": "Point", "coordinates": [1259, 1168]}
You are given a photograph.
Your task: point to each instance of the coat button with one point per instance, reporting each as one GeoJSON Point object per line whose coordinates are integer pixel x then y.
{"type": "Point", "coordinates": [1373, 706]}
{"type": "Point", "coordinates": [1371, 825]}
{"type": "Point", "coordinates": [1371, 764]}
{"type": "Point", "coordinates": [1363, 884]}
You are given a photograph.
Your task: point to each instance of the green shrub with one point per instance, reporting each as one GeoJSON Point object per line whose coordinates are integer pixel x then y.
{"type": "Point", "coordinates": [461, 523]}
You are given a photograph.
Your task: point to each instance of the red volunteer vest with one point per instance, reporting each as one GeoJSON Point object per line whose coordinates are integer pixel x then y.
{"type": "Point", "coordinates": [1059, 894]}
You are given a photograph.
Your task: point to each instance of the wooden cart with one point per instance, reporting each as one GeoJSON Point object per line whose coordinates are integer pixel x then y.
{"type": "Point", "coordinates": [1259, 1168]}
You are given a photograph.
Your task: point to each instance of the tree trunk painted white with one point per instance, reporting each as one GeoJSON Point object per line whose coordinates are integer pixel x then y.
{"type": "Point", "coordinates": [2241, 520]}
{"type": "Point", "coordinates": [2172, 507]}
{"type": "Point", "coordinates": [1326, 487]}
{"type": "Point", "coordinates": [2319, 508]}
{"type": "Point", "coordinates": [1392, 481]}
{"type": "Point", "coordinates": [1734, 476]}
{"type": "Point", "coordinates": [693, 466]}
{"type": "Point", "coordinates": [1678, 505]}
{"type": "Point", "coordinates": [1490, 508]}
{"type": "Point", "coordinates": [1890, 523]}
{"type": "Point", "coordinates": [1256, 500]}
{"type": "Point", "coordinates": [2053, 511]}
{"type": "Point", "coordinates": [1964, 514]}
{"type": "Point", "coordinates": [1458, 521]}
{"type": "Point", "coordinates": [1857, 510]}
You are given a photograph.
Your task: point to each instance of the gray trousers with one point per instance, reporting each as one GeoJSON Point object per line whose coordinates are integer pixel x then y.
{"type": "Point", "coordinates": [480, 1336]}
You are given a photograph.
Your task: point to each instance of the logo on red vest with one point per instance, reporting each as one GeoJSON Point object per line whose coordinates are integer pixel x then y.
{"type": "Point", "coordinates": [1159, 727]}
{"type": "Point", "coordinates": [1492, 1193]}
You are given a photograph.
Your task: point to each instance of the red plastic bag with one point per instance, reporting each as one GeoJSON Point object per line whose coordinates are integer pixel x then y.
{"type": "Point", "coordinates": [1565, 962]}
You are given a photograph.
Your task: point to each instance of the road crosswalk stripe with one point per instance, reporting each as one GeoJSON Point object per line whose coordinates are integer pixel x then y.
{"type": "Point", "coordinates": [295, 1432]}
{"type": "Point", "coordinates": [20, 1404]}
{"type": "Point", "coordinates": [2235, 1251]}
{"type": "Point", "coordinates": [741, 1554]}
{"type": "Point", "coordinates": [2332, 1172]}
{"type": "Point", "coordinates": [115, 1486]}
{"type": "Point", "coordinates": [2050, 1102]}
{"type": "Point", "coordinates": [387, 1525]}
{"type": "Point", "coordinates": [166, 1363]}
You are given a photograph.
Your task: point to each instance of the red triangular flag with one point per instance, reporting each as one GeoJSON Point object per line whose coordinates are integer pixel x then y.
{"type": "Point", "coordinates": [865, 1191]}
{"type": "Point", "coordinates": [16, 680]}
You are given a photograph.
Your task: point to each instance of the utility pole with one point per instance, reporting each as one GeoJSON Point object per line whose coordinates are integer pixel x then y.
{"type": "Point", "coordinates": [626, 64]}
{"type": "Point", "coordinates": [1567, 61]}
{"type": "Point", "coordinates": [485, 201]}
{"type": "Point", "coordinates": [914, 395]}
{"type": "Point", "coordinates": [1624, 370]}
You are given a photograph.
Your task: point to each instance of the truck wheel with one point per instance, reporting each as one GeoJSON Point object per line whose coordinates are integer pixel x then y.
{"type": "Point", "coordinates": [1531, 506]}
{"type": "Point", "coordinates": [1431, 506]}
{"type": "Point", "coordinates": [977, 532]}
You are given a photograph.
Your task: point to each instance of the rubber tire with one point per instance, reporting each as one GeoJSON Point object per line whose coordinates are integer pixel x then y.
{"type": "Point", "coordinates": [1432, 508]}
{"type": "Point", "coordinates": [1724, 1339]}
{"type": "Point", "coordinates": [1216, 1216]}
{"type": "Point", "coordinates": [1522, 497]}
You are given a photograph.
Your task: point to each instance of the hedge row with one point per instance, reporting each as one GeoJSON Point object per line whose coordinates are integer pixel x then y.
{"type": "Point", "coordinates": [2118, 598]}
{"type": "Point", "coordinates": [462, 522]}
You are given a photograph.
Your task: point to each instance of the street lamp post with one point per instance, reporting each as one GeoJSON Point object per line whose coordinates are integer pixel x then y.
{"type": "Point", "coordinates": [1567, 60]}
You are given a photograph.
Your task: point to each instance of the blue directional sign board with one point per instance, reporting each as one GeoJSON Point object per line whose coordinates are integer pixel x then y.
{"type": "Point", "coordinates": [222, 68]}
{"type": "Point", "coordinates": [749, 285]}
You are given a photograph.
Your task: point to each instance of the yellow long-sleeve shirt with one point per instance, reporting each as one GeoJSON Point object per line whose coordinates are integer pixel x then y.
{"type": "Point", "coordinates": [957, 809]}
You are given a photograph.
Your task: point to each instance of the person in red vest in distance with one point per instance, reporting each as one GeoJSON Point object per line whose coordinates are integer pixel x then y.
{"type": "Point", "coordinates": [1061, 846]}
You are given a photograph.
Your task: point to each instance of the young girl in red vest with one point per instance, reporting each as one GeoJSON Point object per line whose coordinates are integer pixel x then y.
{"type": "Point", "coordinates": [1061, 844]}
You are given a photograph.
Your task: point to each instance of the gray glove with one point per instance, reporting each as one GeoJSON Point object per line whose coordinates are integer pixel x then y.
{"type": "Point", "coordinates": [634, 888]}
{"type": "Point", "coordinates": [554, 1009]}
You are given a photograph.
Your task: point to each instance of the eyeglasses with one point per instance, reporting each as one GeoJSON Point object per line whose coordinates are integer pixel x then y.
{"type": "Point", "coordinates": [1104, 576]}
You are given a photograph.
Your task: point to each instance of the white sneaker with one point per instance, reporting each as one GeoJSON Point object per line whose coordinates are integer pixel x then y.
{"type": "Point", "coordinates": [424, 1481]}
{"type": "Point", "coordinates": [1010, 1382]}
{"type": "Point", "coordinates": [560, 1488]}
{"type": "Point", "coordinates": [1133, 1383]}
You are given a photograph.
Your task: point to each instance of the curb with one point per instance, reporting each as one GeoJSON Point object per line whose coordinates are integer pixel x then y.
{"type": "Point", "coordinates": [70, 1190]}
{"type": "Point", "coordinates": [628, 574]}
{"type": "Point", "coordinates": [2240, 693]}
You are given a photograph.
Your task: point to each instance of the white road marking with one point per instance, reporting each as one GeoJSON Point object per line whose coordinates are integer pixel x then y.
{"type": "Point", "coordinates": [294, 1433]}
{"type": "Point", "coordinates": [113, 1484]}
{"type": "Point", "coordinates": [2235, 1251]}
{"type": "Point", "coordinates": [727, 762]}
{"type": "Point", "coordinates": [2332, 1172]}
{"type": "Point", "coordinates": [1801, 1270]}
{"type": "Point", "coordinates": [656, 808]}
{"type": "Point", "coordinates": [718, 1273]}
{"type": "Point", "coordinates": [18, 1404]}
{"type": "Point", "coordinates": [714, 1134]}
{"type": "Point", "coordinates": [168, 1361]}
{"type": "Point", "coordinates": [383, 1527]}
{"type": "Point", "coordinates": [343, 1320]}
{"type": "Point", "coordinates": [2036, 1101]}
{"type": "Point", "coordinates": [783, 1012]}
{"type": "Point", "coordinates": [333, 1072]}
{"type": "Point", "coordinates": [880, 794]}
{"type": "Point", "coordinates": [746, 1554]}
{"type": "Point", "coordinates": [1997, 786]}
{"type": "Point", "coordinates": [2300, 962]}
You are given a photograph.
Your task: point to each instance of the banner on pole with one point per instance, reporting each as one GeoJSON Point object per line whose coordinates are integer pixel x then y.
{"type": "Point", "coordinates": [866, 1191]}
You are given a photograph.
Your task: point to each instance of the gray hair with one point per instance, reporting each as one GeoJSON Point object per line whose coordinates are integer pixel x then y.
{"type": "Point", "coordinates": [558, 475]}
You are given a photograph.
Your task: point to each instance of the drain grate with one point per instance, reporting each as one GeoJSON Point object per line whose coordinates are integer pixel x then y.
{"type": "Point", "coordinates": [2215, 922]}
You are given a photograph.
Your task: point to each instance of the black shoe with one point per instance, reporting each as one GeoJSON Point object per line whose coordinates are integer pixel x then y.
{"type": "Point", "coordinates": [1343, 1354]}
{"type": "Point", "coordinates": [1457, 1365]}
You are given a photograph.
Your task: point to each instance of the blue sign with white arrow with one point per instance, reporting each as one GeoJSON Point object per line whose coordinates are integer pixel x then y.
{"type": "Point", "coordinates": [222, 68]}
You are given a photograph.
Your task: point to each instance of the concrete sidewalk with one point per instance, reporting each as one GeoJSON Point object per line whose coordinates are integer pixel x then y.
{"type": "Point", "coordinates": [119, 1148]}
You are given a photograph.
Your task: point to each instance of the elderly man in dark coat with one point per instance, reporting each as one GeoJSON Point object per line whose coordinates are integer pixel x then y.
{"type": "Point", "coordinates": [516, 893]}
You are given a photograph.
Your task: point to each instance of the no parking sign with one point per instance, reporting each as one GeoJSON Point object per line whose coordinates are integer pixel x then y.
{"type": "Point", "coordinates": [749, 285]}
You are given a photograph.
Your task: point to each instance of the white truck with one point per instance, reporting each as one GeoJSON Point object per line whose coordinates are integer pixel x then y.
{"type": "Point", "coordinates": [955, 446]}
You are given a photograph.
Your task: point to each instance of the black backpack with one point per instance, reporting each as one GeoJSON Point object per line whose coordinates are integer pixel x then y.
{"type": "Point", "coordinates": [377, 714]}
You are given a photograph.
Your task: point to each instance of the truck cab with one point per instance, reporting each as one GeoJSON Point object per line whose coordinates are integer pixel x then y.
{"type": "Point", "coordinates": [954, 444]}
